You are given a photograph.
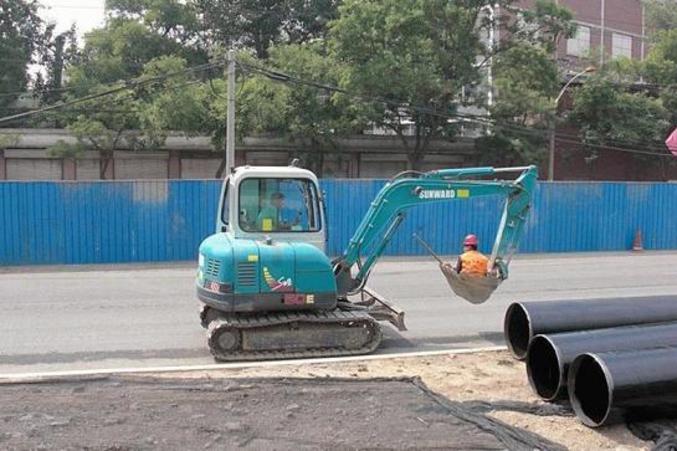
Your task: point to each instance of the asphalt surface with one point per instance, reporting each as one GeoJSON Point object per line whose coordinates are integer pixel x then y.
{"type": "Point", "coordinates": [59, 319]}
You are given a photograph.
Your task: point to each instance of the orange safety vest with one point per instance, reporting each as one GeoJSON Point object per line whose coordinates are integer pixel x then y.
{"type": "Point", "coordinates": [474, 263]}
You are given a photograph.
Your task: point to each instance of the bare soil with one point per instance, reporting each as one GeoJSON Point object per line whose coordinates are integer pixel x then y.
{"type": "Point", "coordinates": [493, 377]}
{"type": "Point", "coordinates": [450, 401]}
{"type": "Point", "coordinates": [125, 413]}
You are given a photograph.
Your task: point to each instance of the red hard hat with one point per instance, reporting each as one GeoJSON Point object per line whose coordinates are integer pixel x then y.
{"type": "Point", "coordinates": [470, 240]}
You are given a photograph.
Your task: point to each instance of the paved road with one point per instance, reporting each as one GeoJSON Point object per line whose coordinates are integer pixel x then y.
{"type": "Point", "coordinates": [52, 320]}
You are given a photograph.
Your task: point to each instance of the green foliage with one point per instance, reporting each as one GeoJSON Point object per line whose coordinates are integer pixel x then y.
{"type": "Point", "coordinates": [22, 34]}
{"type": "Point", "coordinates": [409, 56]}
{"type": "Point", "coordinates": [609, 115]}
{"type": "Point", "coordinates": [8, 140]}
{"type": "Point", "coordinates": [415, 56]}
{"type": "Point", "coordinates": [260, 24]}
{"type": "Point", "coordinates": [660, 15]}
{"type": "Point", "coordinates": [526, 83]}
{"type": "Point", "coordinates": [399, 61]}
{"type": "Point", "coordinates": [62, 149]}
{"type": "Point", "coordinates": [661, 62]}
{"type": "Point", "coordinates": [310, 118]}
{"type": "Point", "coordinates": [119, 51]}
{"type": "Point", "coordinates": [178, 103]}
{"type": "Point", "coordinates": [544, 24]}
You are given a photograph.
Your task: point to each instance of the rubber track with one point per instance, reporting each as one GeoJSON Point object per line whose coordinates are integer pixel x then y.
{"type": "Point", "coordinates": [268, 320]}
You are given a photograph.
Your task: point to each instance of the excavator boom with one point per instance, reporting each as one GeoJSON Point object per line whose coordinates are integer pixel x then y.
{"type": "Point", "coordinates": [388, 209]}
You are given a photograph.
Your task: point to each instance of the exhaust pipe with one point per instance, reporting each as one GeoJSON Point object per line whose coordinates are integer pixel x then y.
{"type": "Point", "coordinates": [605, 388]}
{"type": "Point", "coordinates": [549, 356]}
{"type": "Point", "coordinates": [525, 320]}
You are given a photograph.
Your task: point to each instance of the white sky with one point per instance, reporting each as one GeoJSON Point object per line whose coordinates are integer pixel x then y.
{"type": "Point", "coordinates": [85, 14]}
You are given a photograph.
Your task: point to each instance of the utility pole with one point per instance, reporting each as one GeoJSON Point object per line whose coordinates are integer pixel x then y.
{"type": "Point", "coordinates": [230, 117]}
{"type": "Point", "coordinates": [553, 121]}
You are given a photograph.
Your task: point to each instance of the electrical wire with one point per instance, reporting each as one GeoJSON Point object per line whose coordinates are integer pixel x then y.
{"type": "Point", "coordinates": [279, 76]}
{"type": "Point", "coordinates": [126, 85]}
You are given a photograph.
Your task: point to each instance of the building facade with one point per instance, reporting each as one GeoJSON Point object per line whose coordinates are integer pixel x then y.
{"type": "Point", "coordinates": [360, 156]}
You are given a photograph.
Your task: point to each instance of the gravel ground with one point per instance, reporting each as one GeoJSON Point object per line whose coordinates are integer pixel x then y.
{"type": "Point", "coordinates": [284, 414]}
{"type": "Point", "coordinates": [442, 402]}
{"type": "Point", "coordinates": [493, 377]}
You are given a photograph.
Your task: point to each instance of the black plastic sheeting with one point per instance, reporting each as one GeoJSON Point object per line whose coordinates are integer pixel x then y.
{"type": "Point", "coordinates": [663, 433]}
{"type": "Point", "coordinates": [524, 320]}
{"type": "Point", "coordinates": [605, 388]}
{"type": "Point", "coordinates": [550, 355]}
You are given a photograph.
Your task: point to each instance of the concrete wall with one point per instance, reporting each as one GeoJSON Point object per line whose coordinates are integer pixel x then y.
{"type": "Point", "coordinates": [193, 158]}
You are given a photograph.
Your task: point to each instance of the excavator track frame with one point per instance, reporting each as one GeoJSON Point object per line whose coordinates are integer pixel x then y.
{"type": "Point", "coordinates": [237, 337]}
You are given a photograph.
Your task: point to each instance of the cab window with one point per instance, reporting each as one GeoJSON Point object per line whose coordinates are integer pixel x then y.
{"type": "Point", "coordinates": [278, 205]}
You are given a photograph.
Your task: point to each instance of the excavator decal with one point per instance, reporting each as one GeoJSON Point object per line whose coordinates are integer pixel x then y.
{"type": "Point", "coordinates": [280, 285]}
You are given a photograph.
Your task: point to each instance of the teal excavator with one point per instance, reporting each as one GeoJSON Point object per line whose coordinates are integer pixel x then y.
{"type": "Point", "coordinates": [268, 289]}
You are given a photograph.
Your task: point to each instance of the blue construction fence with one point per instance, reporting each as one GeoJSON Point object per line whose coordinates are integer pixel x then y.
{"type": "Point", "coordinates": [165, 220]}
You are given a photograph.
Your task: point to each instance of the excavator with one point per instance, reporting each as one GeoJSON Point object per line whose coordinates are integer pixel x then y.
{"type": "Point", "coordinates": [267, 288]}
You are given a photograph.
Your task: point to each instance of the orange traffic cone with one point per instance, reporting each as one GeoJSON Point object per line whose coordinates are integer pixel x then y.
{"type": "Point", "coordinates": [637, 242]}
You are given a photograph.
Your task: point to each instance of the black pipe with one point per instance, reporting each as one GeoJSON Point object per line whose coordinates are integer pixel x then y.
{"type": "Point", "coordinates": [607, 388]}
{"type": "Point", "coordinates": [550, 355]}
{"type": "Point", "coordinates": [525, 320]}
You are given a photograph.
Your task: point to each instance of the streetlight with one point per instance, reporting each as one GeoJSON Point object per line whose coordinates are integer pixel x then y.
{"type": "Point", "coordinates": [551, 159]}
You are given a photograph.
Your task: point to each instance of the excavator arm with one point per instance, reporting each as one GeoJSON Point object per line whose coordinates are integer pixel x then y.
{"type": "Point", "coordinates": [410, 189]}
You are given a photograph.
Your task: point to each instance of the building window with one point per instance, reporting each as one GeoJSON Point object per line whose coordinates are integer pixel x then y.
{"type": "Point", "coordinates": [579, 45]}
{"type": "Point", "coordinates": [621, 45]}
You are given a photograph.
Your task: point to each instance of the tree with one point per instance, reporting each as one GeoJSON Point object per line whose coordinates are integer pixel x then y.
{"type": "Point", "coordinates": [165, 97]}
{"type": "Point", "coordinates": [413, 58]}
{"type": "Point", "coordinates": [58, 53]}
{"type": "Point", "coordinates": [259, 24]}
{"type": "Point", "coordinates": [608, 115]}
{"type": "Point", "coordinates": [660, 15]}
{"type": "Point", "coordinates": [310, 117]}
{"type": "Point", "coordinates": [526, 82]}
{"type": "Point", "coordinates": [22, 35]}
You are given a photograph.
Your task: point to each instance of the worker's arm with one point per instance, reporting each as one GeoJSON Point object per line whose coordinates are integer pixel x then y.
{"type": "Point", "coordinates": [447, 268]}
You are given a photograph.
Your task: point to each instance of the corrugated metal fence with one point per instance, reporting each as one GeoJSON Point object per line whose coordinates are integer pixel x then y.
{"type": "Point", "coordinates": [139, 221]}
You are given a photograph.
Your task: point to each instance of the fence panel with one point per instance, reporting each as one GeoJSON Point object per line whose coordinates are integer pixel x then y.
{"type": "Point", "coordinates": [151, 221]}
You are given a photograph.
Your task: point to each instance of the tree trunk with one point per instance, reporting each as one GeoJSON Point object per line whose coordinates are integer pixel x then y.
{"type": "Point", "coordinates": [415, 156]}
{"type": "Point", "coordinates": [106, 157]}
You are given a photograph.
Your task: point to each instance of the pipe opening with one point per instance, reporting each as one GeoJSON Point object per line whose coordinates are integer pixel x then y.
{"type": "Point", "coordinates": [543, 369]}
{"type": "Point", "coordinates": [517, 330]}
{"type": "Point", "coordinates": [590, 397]}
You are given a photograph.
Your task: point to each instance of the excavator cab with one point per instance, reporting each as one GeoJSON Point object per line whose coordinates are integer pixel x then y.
{"type": "Point", "coordinates": [271, 202]}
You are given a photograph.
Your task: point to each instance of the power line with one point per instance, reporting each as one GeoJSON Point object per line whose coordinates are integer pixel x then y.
{"type": "Point", "coordinates": [282, 77]}
{"type": "Point", "coordinates": [127, 84]}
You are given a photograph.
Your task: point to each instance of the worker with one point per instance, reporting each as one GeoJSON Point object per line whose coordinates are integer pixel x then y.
{"type": "Point", "coordinates": [270, 217]}
{"type": "Point", "coordinates": [471, 261]}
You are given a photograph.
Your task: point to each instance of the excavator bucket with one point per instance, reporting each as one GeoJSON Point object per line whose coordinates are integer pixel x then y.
{"type": "Point", "coordinates": [473, 289]}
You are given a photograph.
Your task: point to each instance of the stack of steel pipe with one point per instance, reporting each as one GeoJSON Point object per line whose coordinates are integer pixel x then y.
{"type": "Point", "coordinates": [586, 349]}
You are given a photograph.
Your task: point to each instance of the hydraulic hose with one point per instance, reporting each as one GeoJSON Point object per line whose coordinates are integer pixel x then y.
{"type": "Point", "coordinates": [525, 320]}
{"type": "Point", "coordinates": [606, 388]}
{"type": "Point", "coordinates": [550, 355]}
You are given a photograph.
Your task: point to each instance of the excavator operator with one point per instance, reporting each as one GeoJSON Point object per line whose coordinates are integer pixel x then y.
{"type": "Point", "coordinates": [270, 218]}
{"type": "Point", "coordinates": [471, 261]}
